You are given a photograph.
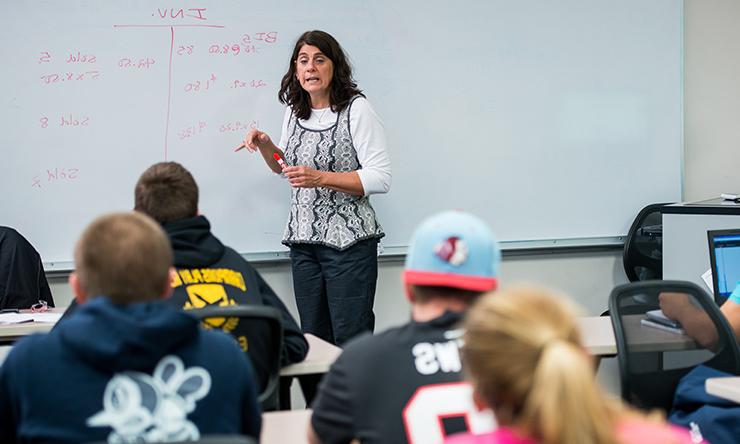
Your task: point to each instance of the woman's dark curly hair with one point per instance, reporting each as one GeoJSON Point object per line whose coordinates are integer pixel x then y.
{"type": "Point", "coordinates": [342, 89]}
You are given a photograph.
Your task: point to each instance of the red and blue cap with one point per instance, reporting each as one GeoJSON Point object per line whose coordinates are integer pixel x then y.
{"type": "Point", "coordinates": [453, 249]}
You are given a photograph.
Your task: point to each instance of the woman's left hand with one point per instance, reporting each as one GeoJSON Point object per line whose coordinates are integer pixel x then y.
{"type": "Point", "coordinates": [303, 177]}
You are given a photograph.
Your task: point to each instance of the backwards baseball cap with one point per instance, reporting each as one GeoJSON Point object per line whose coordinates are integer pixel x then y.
{"type": "Point", "coordinates": [453, 249]}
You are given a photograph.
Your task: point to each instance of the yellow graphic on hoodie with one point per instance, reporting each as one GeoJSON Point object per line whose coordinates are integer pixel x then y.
{"type": "Point", "coordinates": [205, 295]}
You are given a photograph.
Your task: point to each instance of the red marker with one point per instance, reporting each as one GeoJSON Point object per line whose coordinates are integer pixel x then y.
{"type": "Point", "coordinates": [280, 161]}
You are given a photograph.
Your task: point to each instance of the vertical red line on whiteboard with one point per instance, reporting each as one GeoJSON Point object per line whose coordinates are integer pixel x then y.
{"type": "Point", "coordinates": [169, 92]}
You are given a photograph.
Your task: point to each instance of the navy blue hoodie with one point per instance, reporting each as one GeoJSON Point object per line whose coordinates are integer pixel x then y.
{"type": "Point", "coordinates": [139, 371]}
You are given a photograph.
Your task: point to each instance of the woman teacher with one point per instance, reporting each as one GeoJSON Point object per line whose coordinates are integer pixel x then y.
{"type": "Point", "coordinates": [333, 151]}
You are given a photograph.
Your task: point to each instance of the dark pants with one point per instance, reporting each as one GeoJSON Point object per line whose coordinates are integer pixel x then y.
{"type": "Point", "coordinates": [335, 290]}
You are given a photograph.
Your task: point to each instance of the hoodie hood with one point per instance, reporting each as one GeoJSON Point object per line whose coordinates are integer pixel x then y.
{"type": "Point", "coordinates": [114, 337]}
{"type": "Point", "coordinates": [192, 242]}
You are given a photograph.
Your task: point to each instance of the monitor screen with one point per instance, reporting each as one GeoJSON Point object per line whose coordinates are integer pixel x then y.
{"type": "Point", "coordinates": [724, 255]}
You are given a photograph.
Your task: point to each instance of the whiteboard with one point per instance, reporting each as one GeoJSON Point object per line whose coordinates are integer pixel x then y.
{"type": "Point", "coordinates": [551, 120]}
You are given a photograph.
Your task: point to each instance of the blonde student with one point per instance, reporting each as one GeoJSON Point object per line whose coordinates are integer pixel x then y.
{"type": "Point", "coordinates": [524, 356]}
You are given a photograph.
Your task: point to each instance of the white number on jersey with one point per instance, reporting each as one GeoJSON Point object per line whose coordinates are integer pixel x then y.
{"type": "Point", "coordinates": [423, 414]}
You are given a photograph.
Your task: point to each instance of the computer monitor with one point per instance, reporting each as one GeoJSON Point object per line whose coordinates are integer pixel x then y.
{"type": "Point", "coordinates": [724, 256]}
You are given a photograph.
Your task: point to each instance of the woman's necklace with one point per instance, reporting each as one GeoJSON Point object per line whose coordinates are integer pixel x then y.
{"type": "Point", "coordinates": [323, 114]}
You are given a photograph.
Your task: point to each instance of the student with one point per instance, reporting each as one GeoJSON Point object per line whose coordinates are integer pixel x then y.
{"type": "Point", "coordinates": [22, 279]}
{"type": "Point", "coordinates": [394, 387]}
{"type": "Point", "coordinates": [126, 367]}
{"type": "Point", "coordinates": [716, 418]}
{"type": "Point", "coordinates": [525, 358]}
{"type": "Point", "coordinates": [208, 273]}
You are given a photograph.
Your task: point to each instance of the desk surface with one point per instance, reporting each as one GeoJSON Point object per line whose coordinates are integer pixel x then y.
{"type": "Point", "coordinates": [645, 339]}
{"type": "Point", "coordinates": [288, 426]}
{"type": "Point", "coordinates": [13, 332]}
{"type": "Point", "coordinates": [319, 358]}
{"type": "Point", "coordinates": [726, 388]}
{"type": "Point", "coordinates": [321, 355]}
{"type": "Point", "coordinates": [598, 338]}
{"type": "Point", "coordinates": [597, 335]}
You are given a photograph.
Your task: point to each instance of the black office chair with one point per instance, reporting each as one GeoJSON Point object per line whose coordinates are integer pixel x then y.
{"type": "Point", "coordinates": [259, 332]}
{"type": "Point", "coordinates": [643, 249]}
{"type": "Point", "coordinates": [653, 360]}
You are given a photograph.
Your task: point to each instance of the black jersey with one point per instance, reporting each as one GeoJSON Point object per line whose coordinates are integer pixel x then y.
{"type": "Point", "coordinates": [400, 386]}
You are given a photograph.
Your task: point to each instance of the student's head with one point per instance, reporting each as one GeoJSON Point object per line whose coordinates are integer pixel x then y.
{"type": "Point", "coordinates": [342, 88]}
{"type": "Point", "coordinates": [524, 356]}
{"type": "Point", "coordinates": [124, 256]}
{"type": "Point", "coordinates": [166, 191]}
{"type": "Point", "coordinates": [453, 255]}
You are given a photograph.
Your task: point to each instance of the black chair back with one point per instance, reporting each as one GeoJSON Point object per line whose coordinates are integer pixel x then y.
{"type": "Point", "coordinates": [643, 249]}
{"type": "Point", "coordinates": [652, 359]}
{"type": "Point", "coordinates": [259, 332]}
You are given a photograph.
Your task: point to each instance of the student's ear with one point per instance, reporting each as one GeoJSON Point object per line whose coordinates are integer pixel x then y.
{"type": "Point", "coordinates": [167, 292]}
{"type": "Point", "coordinates": [77, 289]}
{"type": "Point", "coordinates": [409, 293]}
{"type": "Point", "coordinates": [478, 401]}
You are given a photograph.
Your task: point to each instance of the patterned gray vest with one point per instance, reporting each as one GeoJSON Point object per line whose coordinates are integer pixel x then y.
{"type": "Point", "coordinates": [320, 215]}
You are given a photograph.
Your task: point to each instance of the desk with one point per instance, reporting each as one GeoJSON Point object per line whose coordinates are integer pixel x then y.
{"type": "Point", "coordinates": [598, 335]}
{"type": "Point", "coordinates": [321, 355]}
{"type": "Point", "coordinates": [646, 339]}
{"type": "Point", "coordinates": [13, 332]}
{"type": "Point", "coordinates": [288, 426]}
{"type": "Point", "coordinates": [726, 388]}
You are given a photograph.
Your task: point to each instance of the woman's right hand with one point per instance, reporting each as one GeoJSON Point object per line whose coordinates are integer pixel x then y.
{"type": "Point", "coordinates": [256, 139]}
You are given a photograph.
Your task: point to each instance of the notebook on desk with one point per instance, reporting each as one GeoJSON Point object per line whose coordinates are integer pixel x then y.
{"type": "Point", "coordinates": [724, 257]}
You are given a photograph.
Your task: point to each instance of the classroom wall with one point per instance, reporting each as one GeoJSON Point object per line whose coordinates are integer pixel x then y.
{"type": "Point", "coordinates": [712, 159]}
{"type": "Point", "coordinates": [712, 98]}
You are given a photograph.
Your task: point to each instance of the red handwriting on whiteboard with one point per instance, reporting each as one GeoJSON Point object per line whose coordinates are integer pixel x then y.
{"type": "Point", "coordinates": [45, 57]}
{"type": "Point", "coordinates": [229, 127]}
{"type": "Point", "coordinates": [192, 130]}
{"type": "Point", "coordinates": [247, 44]}
{"type": "Point", "coordinates": [55, 175]}
{"type": "Point", "coordinates": [71, 120]}
{"type": "Point", "coordinates": [231, 48]}
{"type": "Point", "coordinates": [66, 120]}
{"type": "Point", "coordinates": [69, 77]}
{"type": "Point", "coordinates": [267, 37]}
{"type": "Point", "coordinates": [185, 50]}
{"type": "Point", "coordinates": [247, 84]}
{"type": "Point", "coordinates": [141, 63]}
{"type": "Point", "coordinates": [181, 14]}
{"type": "Point", "coordinates": [197, 85]}
{"type": "Point", "coordinates": [81, 58]}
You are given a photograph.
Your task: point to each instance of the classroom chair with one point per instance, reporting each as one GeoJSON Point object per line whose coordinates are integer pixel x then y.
{"type": "Point", "coordinates": [642, 256]}
{"type": "Point", "coordinates": [653, 359]}
{"type": "Point", "coordinates": [259, 332]}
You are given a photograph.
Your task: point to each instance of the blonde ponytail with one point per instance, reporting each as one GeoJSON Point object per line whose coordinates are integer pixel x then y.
{"type": "Point", "coordinates": [564, 405]}
{"type": "Point", "coordinates": [523, 354]}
